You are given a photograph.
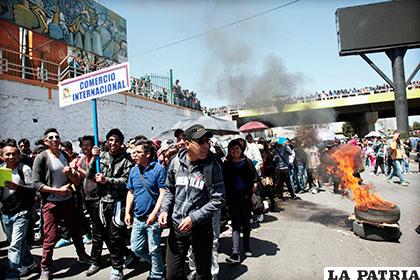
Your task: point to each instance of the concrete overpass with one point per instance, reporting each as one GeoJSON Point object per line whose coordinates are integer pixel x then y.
{"type": "Point", "coordinates": [362, 111]}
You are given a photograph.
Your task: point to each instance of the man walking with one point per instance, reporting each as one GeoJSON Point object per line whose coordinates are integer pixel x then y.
{"type": "Point", "coordinates": [253, 153]}
{"type": "Point", "coordinates": [111, 182]}
{"type": "Point", "coordinates": [17, 200]}
{"type": "Point", "coordinates": [190, 201]}
{"type": "Point", "coordinates": [53, 177]}
{"type": "Point", "coordinates": [397, 155]}
{"type": "Point", "coordinates": [146, 188]}
{"type": "Point", "coordinates": [283, 168]}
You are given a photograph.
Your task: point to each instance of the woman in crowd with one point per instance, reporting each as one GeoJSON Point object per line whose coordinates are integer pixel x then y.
{"type": "Point", "coordinates": [240, 181]}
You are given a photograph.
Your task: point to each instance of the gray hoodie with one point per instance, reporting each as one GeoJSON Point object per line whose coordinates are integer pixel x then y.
{"type": "Point", "coordinates": [188, 193]}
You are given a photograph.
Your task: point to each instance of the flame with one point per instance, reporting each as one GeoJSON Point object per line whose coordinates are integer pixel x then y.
{"type": "Point", "coordinates": [342, 162]}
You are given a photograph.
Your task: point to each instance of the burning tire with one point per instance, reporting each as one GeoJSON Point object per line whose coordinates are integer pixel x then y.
{"type": "Point", "coordinates": [390, 216]}
{"type": "Point", "coordinates": [370, 232]}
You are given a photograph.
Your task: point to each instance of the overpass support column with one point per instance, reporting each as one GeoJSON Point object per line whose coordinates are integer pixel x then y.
{"type": "Point", "coordinates": [365, 123]}
{"type": "Point", "coordinates": [401, 108]}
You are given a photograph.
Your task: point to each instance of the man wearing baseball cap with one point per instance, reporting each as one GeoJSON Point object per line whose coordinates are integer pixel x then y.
{"type": "Point", "coordinates": [195, 191]}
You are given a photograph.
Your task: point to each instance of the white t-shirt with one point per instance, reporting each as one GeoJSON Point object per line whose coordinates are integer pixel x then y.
{"type": "Point", "coordinates": [58, 177]}
{"type": "Point", "coordinates": [27, 174]}
{"type": "Point", "coordinates": [253, 153]}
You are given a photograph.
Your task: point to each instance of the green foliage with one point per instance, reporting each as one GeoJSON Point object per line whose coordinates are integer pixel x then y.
{"type": "Point", "coordinates": [348, 130]}
{"type": "Point", "coordinates": [416, 126]}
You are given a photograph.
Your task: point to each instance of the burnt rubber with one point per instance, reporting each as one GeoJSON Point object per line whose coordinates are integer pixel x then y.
{"type": "Point", "coordinates": [370, 232]}
{"type": "Point", "coordinates": [390, 216]}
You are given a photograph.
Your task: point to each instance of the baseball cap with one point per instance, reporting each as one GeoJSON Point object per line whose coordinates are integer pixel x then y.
{"type": "Point", "coordinates": [196, 132]}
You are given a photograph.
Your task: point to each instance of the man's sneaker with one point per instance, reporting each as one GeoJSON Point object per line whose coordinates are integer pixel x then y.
{"type": "Point", "coordinates": [26, 269]}
{"type": "Point", "coordinates": [116, 275]}
{"type": "Point", "coordinates": [260, 218]}
{"type": "Point", "coordinates": [248, 254]}
{"type": "Point", "coordinates": [62, 243]}
{"type": "Point", "coordinates": [93, 269]}
{"type": "Point", "coordinates": [85, 259]}
{"type": "Point", "coordinates": [404, 183]}
{"type": "Point", "coordinates": [234, 258]}
{"type": "Point", "coordinates": [45, 274]}
{"type": "Point", "coordinates": [87, 239]}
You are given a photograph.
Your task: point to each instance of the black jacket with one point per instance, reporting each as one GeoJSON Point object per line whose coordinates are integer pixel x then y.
{"type": "Point", "coordinates": [116, 170]}
{"type": "Point", "coordinates": [246, 172]}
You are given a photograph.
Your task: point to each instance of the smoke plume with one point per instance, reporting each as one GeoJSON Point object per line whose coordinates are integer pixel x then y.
{"type": "Point", "coordinates": [232, 70]}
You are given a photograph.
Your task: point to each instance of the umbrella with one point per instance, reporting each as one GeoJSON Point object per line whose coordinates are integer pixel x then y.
{"type": "Point", "coordinates": [253, 126]}
{"type": "Point", "coordinates": [216, 125]}
{"type": "Point", "coordinates": [373, 134]}
{"type": "Point", "coordinates": [165, 135]}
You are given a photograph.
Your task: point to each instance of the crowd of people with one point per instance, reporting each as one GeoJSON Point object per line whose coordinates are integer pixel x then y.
{"type": "Point", "coordinates": [181, 97]}
{"type": "Point", "coordinates": [317, 96]}
{"type": "Point", "coordinates": [124, 194]}
{"type": "Point", "coordinates": [389, 157]}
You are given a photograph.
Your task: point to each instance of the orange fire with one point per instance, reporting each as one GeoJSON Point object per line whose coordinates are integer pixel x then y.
{"type": "Point", "coordinates": [342, 162]}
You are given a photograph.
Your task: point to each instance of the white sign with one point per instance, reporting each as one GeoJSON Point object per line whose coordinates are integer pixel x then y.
{"type": "Point", "coordinates": [370, 273]}
{"type": "Point", "coordinates": [100, 83]}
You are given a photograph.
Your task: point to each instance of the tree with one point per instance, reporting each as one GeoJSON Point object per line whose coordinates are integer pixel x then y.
{"type": "Point", "coordinates": [348, 130]}
{"type": "Point", "coordinates": [416, 125]}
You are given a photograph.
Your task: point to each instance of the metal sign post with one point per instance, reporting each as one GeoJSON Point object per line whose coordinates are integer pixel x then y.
{"type": "Point", "coordinates": [95, 132]}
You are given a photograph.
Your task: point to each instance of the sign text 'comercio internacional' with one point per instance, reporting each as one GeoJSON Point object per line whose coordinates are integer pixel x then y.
{"type": "Point", "coordinates": [100, 83]}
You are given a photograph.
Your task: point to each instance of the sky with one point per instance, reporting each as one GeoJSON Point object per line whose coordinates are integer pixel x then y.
{"type": "Point", "coordinates": [290, 51]}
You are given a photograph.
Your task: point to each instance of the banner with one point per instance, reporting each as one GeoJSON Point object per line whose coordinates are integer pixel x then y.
{"type": "Point", "coordinates": [96, 84]}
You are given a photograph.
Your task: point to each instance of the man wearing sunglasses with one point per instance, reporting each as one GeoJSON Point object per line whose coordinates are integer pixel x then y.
{"type": "Point", "coordinates": [195, 191]}
{"type": "Point", "coordinates": [53, 177]}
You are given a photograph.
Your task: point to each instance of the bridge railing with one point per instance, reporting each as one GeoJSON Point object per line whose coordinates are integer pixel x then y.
{"type": "Point", "coordinates": [380, 89]}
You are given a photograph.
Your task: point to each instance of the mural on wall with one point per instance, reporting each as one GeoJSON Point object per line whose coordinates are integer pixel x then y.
{"type": "Point", "coordinates": [84, 24]}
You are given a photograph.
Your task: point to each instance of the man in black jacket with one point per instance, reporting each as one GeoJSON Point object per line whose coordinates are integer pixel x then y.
{"type": "Point", "coordinates": [195, 192]}
{"type": "Point", "coordinates": [17, 199]}
{"type": "Point", "coordinates": [112, 190]}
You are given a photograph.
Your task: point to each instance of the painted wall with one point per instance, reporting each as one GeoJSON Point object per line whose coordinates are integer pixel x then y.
{"type": "Point", "coordinates": [84, 24]}
{"type": "Point", "coordinates": [26, 111]}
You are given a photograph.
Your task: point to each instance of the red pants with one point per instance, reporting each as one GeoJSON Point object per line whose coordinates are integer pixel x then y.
{"type": "Point", "coordinates": [51, 213]}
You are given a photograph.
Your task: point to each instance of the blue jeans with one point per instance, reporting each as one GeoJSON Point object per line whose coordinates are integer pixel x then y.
{"type": "Point", "coordinates": [302, 176]}
{"type": "Point", "coordinates": [15, 227]}
{"type": "Point", "coordinates": [142, 232]}
{"type": "Point", "coordinates": [396, 169]}
{"type": "Point", "coordinates": [406, 166]}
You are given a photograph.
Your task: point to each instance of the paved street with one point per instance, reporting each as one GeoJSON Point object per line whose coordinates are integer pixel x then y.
{"type": "Point", "coordinates": [298, 240]}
